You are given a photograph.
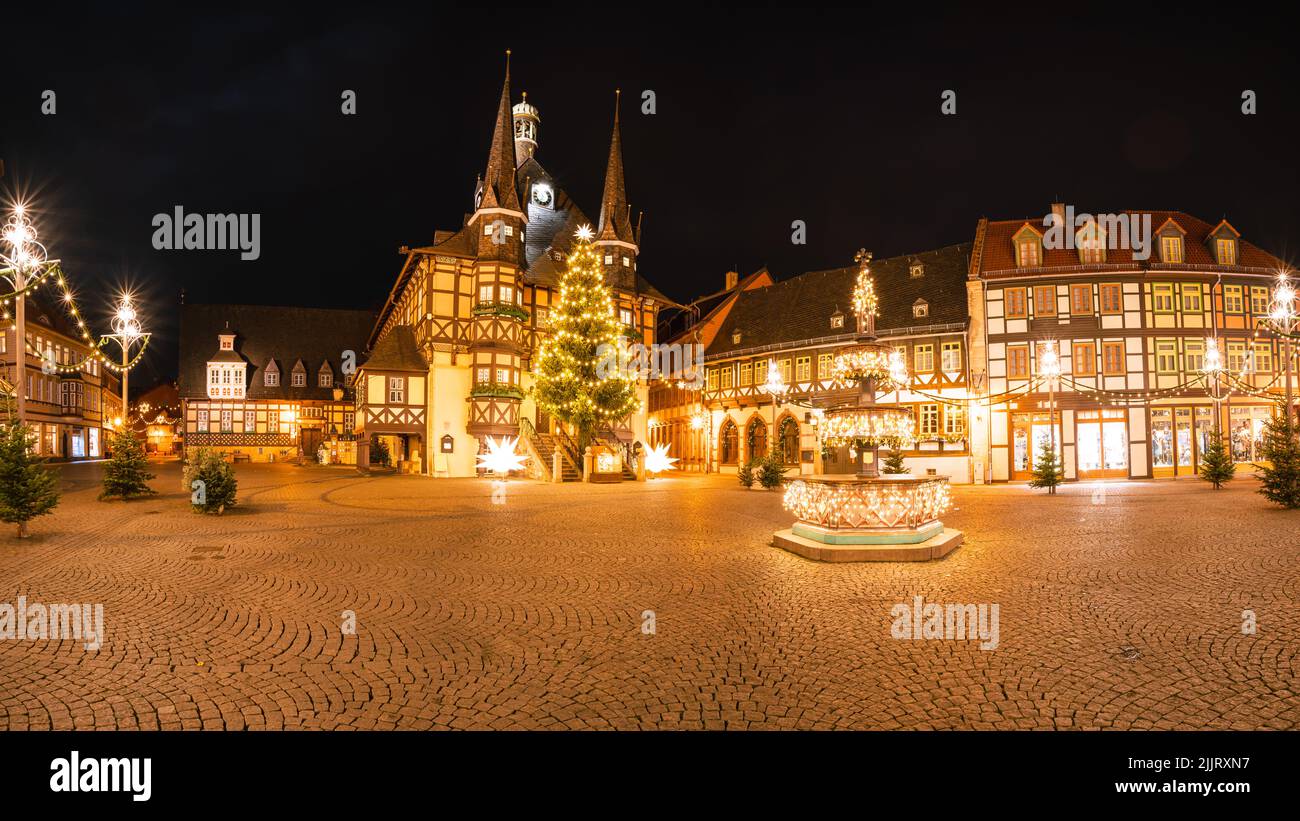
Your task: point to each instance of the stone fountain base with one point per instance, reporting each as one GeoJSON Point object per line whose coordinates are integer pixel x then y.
{"type": "Point", "coordinates": [856, 519]}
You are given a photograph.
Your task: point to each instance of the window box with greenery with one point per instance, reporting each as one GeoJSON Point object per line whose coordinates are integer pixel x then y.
{"type": "Point", "coordinates": [500, 309]}
{"type": "Point", "coordinates": [497, 389]}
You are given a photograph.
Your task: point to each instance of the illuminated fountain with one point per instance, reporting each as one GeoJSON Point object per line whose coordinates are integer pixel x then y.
{"type": "Point", "coordinates": [867, 516]}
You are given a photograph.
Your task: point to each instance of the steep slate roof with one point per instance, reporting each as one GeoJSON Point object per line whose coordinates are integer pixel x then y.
{"type": "Point", "coordinates": [264, 333]}
{"type": "Point", "coordinates": [499, 180]}
{"type": "Point", "coordinates": [398, 351]}
{"type": "Point", "coordinates": [614, 219]}
{"type": "Point", "coordinates": [998, 253]}
{"type": "Point", "coordinates": [800, 308]}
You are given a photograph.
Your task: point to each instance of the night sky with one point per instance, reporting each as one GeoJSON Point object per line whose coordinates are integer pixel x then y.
{"type": "Point", "coordinates": [830, 117]}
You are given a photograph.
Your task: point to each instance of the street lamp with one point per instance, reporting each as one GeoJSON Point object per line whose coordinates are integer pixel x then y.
{"type": "Point", "coordinates": [697, 425]}
{"type": "Point", "coordinates": [1285, 320]}
{"type": "Point", "coordinates": [126, 332]}
{"type": "Point", "coordinates": [775, 386]}
{"type": "Point", "coordinates": [22, 259]}
{"type": "Point", "coordinates": [1049, 365]}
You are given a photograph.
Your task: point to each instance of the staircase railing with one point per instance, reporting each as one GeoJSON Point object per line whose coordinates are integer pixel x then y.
{"type": "Point", "coordinates": [528, 434]}
{"type": "Point", "coordinates": [568, 449]}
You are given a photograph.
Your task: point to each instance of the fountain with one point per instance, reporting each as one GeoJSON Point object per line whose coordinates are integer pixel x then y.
{"type": "Point", "coordinates": [867, 516]}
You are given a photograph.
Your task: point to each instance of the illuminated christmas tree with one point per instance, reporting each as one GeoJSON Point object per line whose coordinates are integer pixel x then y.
{"type": "Point", "coordinates": [579, 370]}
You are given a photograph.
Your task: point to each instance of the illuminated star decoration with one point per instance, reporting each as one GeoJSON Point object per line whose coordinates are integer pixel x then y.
{"type": "Point", "coordinates": [657, 459]}
{"type": "Point", "coordinates": [501, 457]}
{"type": "Point", "coordinates": [584, 232]}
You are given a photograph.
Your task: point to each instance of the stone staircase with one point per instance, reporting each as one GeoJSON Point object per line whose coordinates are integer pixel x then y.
{"type": "Point", "coordinates": [543, 447]}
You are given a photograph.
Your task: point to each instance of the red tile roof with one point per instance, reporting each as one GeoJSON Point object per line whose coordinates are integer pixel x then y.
{"type": "Point", "coordinates": [999, 255]}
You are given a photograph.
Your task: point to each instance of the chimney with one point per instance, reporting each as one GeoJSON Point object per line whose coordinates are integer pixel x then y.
{"type": "Point", "coordinates": [733, 279]}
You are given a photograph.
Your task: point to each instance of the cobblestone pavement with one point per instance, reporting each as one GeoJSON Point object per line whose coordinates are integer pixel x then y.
{"type": "Point", "coordinates": [523, 608]}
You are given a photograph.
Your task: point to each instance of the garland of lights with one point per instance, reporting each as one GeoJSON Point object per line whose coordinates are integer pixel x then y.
{"type": "Point", "coordinates": [881, 504]}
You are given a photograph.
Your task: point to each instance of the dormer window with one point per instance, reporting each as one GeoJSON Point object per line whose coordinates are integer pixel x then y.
{"type": "Point", "coordinates": [920, 309]}
{"type": "Point", "coordinates": [1225, 251]}
{"type": "Point", "coordinates": [226, 380]}
{"type": "Point", "coordinates": [1091, 242]}
{"type": "Point", "coordinates": [1171, 249]}
{"type": "Point", "coordinates": [735, 337]}
{"type": "Point", "coordinates": [916, 270]}
{"type": "Point", "coordinates": [1028, 246]}
{"type": "Point", "coordinates": [1223, 243]}
{"type": "Point", "coordinates": [226, 342]}
{"type": "Point", "coordinates": [626, 262]}
{"type": "Point", "coordinates": [271, 379]}
{"type": "Point", "coordinates": [837, 320]}
{"type": "Point", "coordinates": [325, 377]}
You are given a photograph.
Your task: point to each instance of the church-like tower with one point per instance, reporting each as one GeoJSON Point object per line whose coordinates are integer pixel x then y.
{"type": "Point", "coordinates": [497, 336]}
{"type": "Point", "coordinates": [618, 244]}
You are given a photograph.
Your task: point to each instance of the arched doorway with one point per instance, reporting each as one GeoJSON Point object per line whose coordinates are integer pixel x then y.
{"type": "Point", "coordinates": [789, 439]}
{"type": "Point", "coordinates": [729, 443]}
{"type": "Point", "coordinates": [756, 438]}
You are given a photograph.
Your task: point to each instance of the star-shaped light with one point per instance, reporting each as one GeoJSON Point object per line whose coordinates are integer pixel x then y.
{"type": "Point", "coordinates": [501, 457]}
{"type": "Point", "coordinates": [584, 232]}
{"type": "Point", "coordinates": [657, 459]}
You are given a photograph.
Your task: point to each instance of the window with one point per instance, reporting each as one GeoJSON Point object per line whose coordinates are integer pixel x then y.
{"type": "Point", "coordinates": [1171, 249]}
{"type": "Point", "coordinates": [1045, 300]}
{"type": "Point", "coordinates": [273, 421]}
{"type": "Point", "coordinates": [507, 294]}
{"type": "Point", "coordinates": [1232, 299]}
{"type": "Point", "coordinates": [924, 361]}
{"type": "Point", "coordinates": [784, 365]}
{"type": "Point", "coordinates": [1237, 356]}
{"type": "Point", "coordinates": [485, 293]}
{"type": "Point", "coordinates": [1162, 297]}
{"type": "Point", "coordinates": [920, 310]}
{"type": "Point", "coordinates": [729, 443]}
{"type": "Point", "coordinates": [728, 373]}
{"type": "Point", "coordinates": [349, 421]}
{"type": "Point", "coordinates": [1263, 357]}
{"type": "Point", "coordinates": [609, 259]}
{"type": "Point", "coordinates": [916, 270]}
{"type": "Point", "coordinates": [543, 317]}
{"type": "Point", "coordinates": [299, 379]}
{"type": "Point", "coordinates": [1166, 356]}
{"type": "Point", "coordinates": [1027, 253]}
{"type": "Point", "coordinates": [250, 421]}
{"type": "Point", "coordinates": [626, 262]}
{"type": "Point", "coordinates": [824, 366]}
{"type": "Point", "coordinates": [227, 421]}
{"type": "Point", "coordinates": [954, 420]}
{"type": "Point", "coordinates": [271, 379]}
{"type": "Point", "coordinates": [1018, 361]}
{"type": "Point", "coordinates": [950, 359]}
{"type": "Point", "coordinates": [326, 379]}
{"type": "Point", "coordinates": [482, 376]}
{"type": "Point", "coordinates": [929, 420]}
{"type": "Point", "coordinates": [1227, 251]}
{"type": "Point", "coordinates": [1085, 359]}
{"type": "Point", "coordinates": [803, 369]}
{"type": "Point", "coordinates": [396, 390]}
{"type": "Point", "coordinates": [1259, 300]}
{"type": "Point", "coordinates": [503, 376]}
{"type": "Point", "coordinates": [625, 316]}
{"type": "Point", "coordinates": [1191, 298]}
{"type": "Point", "coordinates": [1193, 355]}
{"type": "Point", "coordinates": [1112, 357]}
{"type": "Point", "coordinates": [1015, 303]}
{"type": "Point", "coordinates": [1111, 298]}
{"type": "Point", "coordinates": [1081, 299]}
{"type": "Point", "coordinates": [746, 373]}
{"type": "Point", "coordinates": [713, 379]}
{"type": "Point", "coordinates": [837, 320]}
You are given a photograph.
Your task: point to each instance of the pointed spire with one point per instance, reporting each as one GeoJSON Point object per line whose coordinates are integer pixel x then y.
{"type": "Point", "coordinates": [614, 210]}
{"type": "Point", "coordinates": [640, 216]}
{"type": "Point", "coordinates": [499, 179]}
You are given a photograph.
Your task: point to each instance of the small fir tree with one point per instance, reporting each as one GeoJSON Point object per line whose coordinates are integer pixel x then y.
{"type": "Point", "coordinates": [1279, 476]}
{"type": "Point", "coordinates": [212, 482]}
{"type": "Point", "coordinates": [126, 474]}
{"type": "Point", "coordinates": [379, 452]}
{"type": "Point", "coordinates": [27, 488]}
{"type": "Point", "coordinates": [1216, 461]}
{"type": "Point", "coordinates": [893, 462]}
{"type": "Point", "coordinates": [580, 372]}
{"type": "Point", "coordinates": [745, 472]}
{"type": "Point", "coordinates": [1047, 470]}
{"type": "Point", "coordinates": [770, 470]}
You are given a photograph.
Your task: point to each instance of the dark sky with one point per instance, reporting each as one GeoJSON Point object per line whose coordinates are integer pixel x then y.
{"type": "Point", "coordinates": [830, 117]}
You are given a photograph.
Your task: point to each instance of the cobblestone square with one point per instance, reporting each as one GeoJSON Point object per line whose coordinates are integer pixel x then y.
{"type": "Point", "coordinates": [525, 606]}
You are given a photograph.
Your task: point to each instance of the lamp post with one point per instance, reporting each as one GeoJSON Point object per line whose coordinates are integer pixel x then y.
{"type": "Point", "coordinates": [126, 332]}
{"type": "Point", "coordinates": [776, 386]}
{"type": "Point", "coordinates": [1285, 319]}
{"type": "Point", "coordinates": [702, 449]}
{"type": "Point", "coordinates": [1049, 365]}
{"type": "Point", "coordinates": [22, 259]}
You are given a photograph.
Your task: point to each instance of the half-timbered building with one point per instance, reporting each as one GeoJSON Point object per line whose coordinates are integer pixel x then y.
{"type": "Point", "coordinates": [269, 384]}
{"type": "Point", "coordinates": [473, 305]}
{"type": "Point", "coordinates": [1131, 332]}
